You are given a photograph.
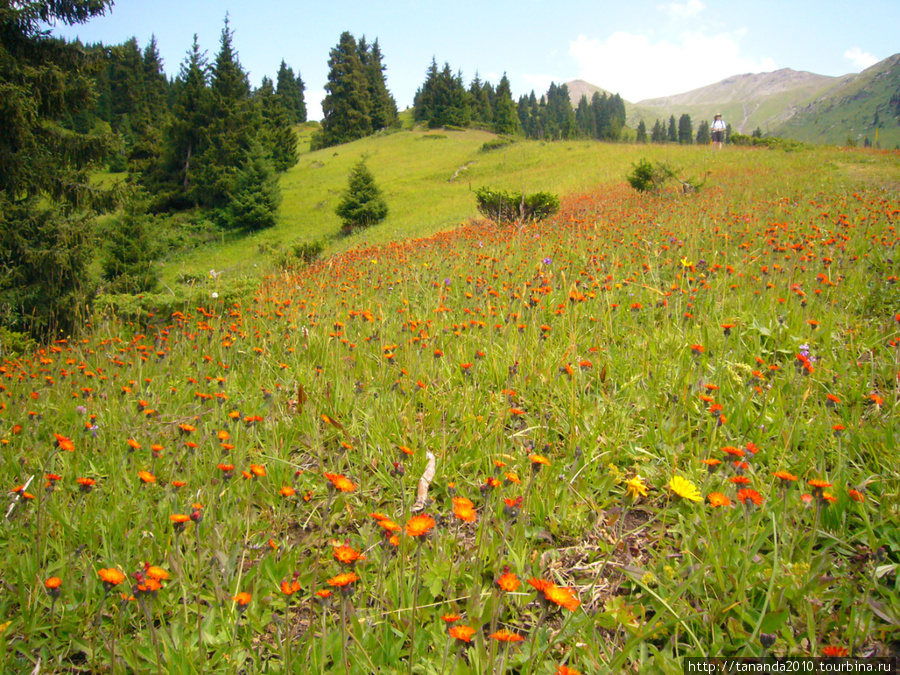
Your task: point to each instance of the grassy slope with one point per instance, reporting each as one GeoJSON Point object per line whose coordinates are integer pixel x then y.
{"type": "Point", "coordinates": [848, 110]}
{"type": "Point", "coordinates": [415, 168]}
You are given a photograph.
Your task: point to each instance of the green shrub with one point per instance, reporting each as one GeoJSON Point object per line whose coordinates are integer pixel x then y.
{"type": "Point", "coordinates": [299, 255]}
{"type": "Point", "coordinates": [13, 344]}
{"type": "Point", "coordinates": [506, 207]}
{"type": "Point", "coordinates": [496, 143]}
{"type": "Point", "coordinates": [645, 177]}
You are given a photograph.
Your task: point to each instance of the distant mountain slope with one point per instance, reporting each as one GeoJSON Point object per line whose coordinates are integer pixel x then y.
{"type": "Point", "coordinates": [763, 100]}
{"type": "Point", "coordinates": [858, 107]}
{"type": "Point", "coordinates": [786, 102]}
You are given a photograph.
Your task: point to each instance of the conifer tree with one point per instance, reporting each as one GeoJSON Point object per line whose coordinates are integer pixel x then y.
{"type": "Point", "coordinates": [362, 204]}
{"type": "Point", "coordinates": [482, 111]}
{"type": "Point", "coordinates": [382, 106]}
{"type": "Point", "coordinates": [186, 138]}
{"type": "Point", "coordinates": [685, 130]}
{"type": "Point", "coordinates": [672, 133]}
{"type": "Point", "coordinates": [506, 118]}
{"type": "Point", "coordinates": [289, 90]}
{"type": "Point", "coordinates": [46, 199]}
{"type": "Point", "coordinates": [703, 135]}
{"type": "Point", "coordinates": [442, 100]}
{"type": "Point", "coordinates": [641, 132]}
{"type": "Point", "coordinates": [346, 112]}
{"type": "Point", "coordinates": [231, 125]}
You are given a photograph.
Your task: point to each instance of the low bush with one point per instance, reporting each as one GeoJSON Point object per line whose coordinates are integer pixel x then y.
{"type": "Point", "coordinates": [496, 143]}
{"type": "Point", "coordinates": [299, 255]}
{"type": "Point", "coordinates": [506, 207]}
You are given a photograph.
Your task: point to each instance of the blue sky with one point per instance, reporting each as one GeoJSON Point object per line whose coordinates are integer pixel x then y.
{"type": "Point", "coordinates": [640, 49]}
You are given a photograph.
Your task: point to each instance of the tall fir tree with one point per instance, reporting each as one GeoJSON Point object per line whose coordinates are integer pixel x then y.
{"type": "Point", "coordinates": [382, 106]}
{"type": "Point", "coordinates": [231, 123]}
{"type": "Point", "coordinates": [672, 132]}
{"type": "Point", "coordinates": [442, 100]}
{"type": "Point", "coordinates": [276, 133]}
{"type": "Point", "coordinates": [506, 118]}
{"type": "Point", "coordinates": [346, 113]}
{"type": "Point", "coordinates": [482, 112]}
{"type": "Point", "coordinates": [703, 133]}
{"type": "Point", "coordinates": [289, 89]}
{"type": "Point", "coordinates": [187, 137]}
{"type": "Point", "coordinates": [685, 130]}
{"type": "Point", "coordinates": [47, 201]}
{"type": "Point", "coordinates": [641, 132]}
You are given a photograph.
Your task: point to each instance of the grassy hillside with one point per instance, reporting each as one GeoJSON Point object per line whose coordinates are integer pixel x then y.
{"type": "Point", "coordinates": [428, 178]}
{"type": "Point", "coordinates": [847, 111]}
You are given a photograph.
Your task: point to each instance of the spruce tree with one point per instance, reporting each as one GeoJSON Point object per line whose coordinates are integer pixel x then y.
{"type": "Point", "coordinates": [506, 117]}
{"type": "Point", "coordinates": [346, 113]}
{"type": "Point", "coordinates": [289, 90]}
{"type": "Point", "coordinates": [672, 133]}
{"type": "Point", "coordinates": [482, 112]}
{"type": "Point", "coordinates": [362, 204]}
{"type": "Point", "coordinates": [641, 132]}
{"type": "Point", "coordinates": [276, 133]}
{"type": "Point", "coordinates": [382, 106]}
{"type": "Point", "coordinates": [231, 126]}
{"type": "Point", "coordinates": [685, 130]}
{"type": "Point", "coordinates": [703, 135]}
{"type": "Point", "coordinates": [186, 138]}
{"type": "Point", "coordinates": [47, 202]}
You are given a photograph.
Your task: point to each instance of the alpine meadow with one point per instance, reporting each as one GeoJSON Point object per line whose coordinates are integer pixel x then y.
{"type": "Point", "coordinates": [495, 384]}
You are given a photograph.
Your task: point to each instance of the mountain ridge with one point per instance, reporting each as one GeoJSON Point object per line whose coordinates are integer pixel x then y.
{"type": "Point", "coordinates": [796, 104]}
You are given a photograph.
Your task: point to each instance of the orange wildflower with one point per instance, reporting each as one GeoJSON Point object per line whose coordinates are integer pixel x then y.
{"type": "Point", "coordinates": [506, 636]}
{"type": "Point", "coordinates": [343, 580]}
{"type": "Point", "coordinates": [509, 582]}
{"type": "Point", "coordinates": [717, 499]}
{"type": "Point", "coordinates": [347, 554]}
{"type": "Point", "coordinates": [340, 482]}
{"type": "Point", "coordinates": [565, 670]}
{"type": "Point", "coordinates": [110, 577]}
{"type": "Point", "coordinates": [389, 525]}
{"type": "Point", "coordinates": [462, 633]}
{"type": "Point", "coordinates": [786, 477]}
{"type": "Point", "coordinates": [564, 597]}
{"type": "Point", "coordinates": [242, 599]}
{"type": "Point", "coordinates": [287, 491]}
{"type": "Point", "coordinates": [290, 587]}
{"type": "Point", "coordinates": [747, 496]}
{"type": "Point", "coordinates": [146, 477]}
{"type": "Point", "coordinates": [157, 573]}
{"type": "Point", "coordinates": [464, 509]}
{"type": "Point", "coordinates": [420, 525]}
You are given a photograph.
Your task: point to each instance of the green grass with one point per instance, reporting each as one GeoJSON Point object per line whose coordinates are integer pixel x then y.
{"type": "Point", "coordinates": [551, 365]}
{"type": "Point", "coordinates": [427, 178]}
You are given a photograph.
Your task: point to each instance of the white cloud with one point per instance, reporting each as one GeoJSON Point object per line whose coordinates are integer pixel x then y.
{"type": "Point", "coordinates": [636, 68]}
{"type": "Point", "coordinates": [859, 58]}
{"type": "Point", "coordinates": [678, 10]}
